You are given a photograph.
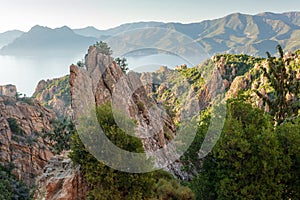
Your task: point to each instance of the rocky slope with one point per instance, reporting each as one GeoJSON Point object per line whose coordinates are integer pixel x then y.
{"type": "Point", "coordinates": [22, 124]}
{"type": "Point", "coordinates": [253, 80]}
{"type": "Point", "coordinates": [24, 150]}
{"type": "Point", "coordinates": [61, 180]}
{"type": "Point", "coordinates": [96, 84]}
{"type": "Point", "coordinates": [55, 95]}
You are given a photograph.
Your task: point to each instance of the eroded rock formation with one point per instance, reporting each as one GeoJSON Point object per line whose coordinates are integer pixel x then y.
{"type": "Point", "coordinates": [103, 81]}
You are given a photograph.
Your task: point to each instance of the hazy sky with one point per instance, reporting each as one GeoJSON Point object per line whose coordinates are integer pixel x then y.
{"type": "Point", "coordinates": [103, 14]}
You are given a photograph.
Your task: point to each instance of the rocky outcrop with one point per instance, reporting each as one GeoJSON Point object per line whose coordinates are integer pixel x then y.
{"type": "Point", "coordinates": [55, 95]}
{"type": "Point", "coordinates": [8, 90]}
{"type": "Point", "coordinates": [180, 67]}
{"type": "Point", "coordinates": [103, 81]}
{"type": "Point", "coordinates": [98, 82]}
{"type": "Point", "coordinates": [238, 84]}
{"type": "Point", "coordinates": [61, 180]}
{"type": "Point", "coordinates": [22, 124]}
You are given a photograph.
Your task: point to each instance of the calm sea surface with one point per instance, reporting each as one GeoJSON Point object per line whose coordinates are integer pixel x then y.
{"type": "Point", "coordinates": [26, 72]}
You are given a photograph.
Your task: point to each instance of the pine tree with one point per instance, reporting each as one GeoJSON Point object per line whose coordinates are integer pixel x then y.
{"type": "Point", "coordinates": [103, 48]}
{"type": "Point", "coordinates": [122, 63]}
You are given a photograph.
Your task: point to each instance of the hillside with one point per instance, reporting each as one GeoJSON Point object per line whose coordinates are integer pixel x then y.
{"type": "Point", "coordinates": [248, 34]}
{"type": "Point", "coordinates": [239, 77]}
{"type": "Point", "coordinates": [261, 118]}
{"type": "Point", "coordinates": [236, 33]}
{"type": "Point", "coordinates": [9, 36]}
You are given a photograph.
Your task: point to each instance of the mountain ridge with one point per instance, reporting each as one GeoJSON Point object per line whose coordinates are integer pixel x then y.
{"type": "Point", "coordinates": [115, 30]}
{"type": "Point", "coordinates": [233, 33]}
{"type": "Point", "coordinates": [42, 39]}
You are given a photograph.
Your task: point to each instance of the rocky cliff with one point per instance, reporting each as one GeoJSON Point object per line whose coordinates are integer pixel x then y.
{"type": "Point", "coordinates": [97, 84]}
{"type": "Point", "coordinates": [22, 124]}
{"type": "Point", "coordinates": [8, 90]}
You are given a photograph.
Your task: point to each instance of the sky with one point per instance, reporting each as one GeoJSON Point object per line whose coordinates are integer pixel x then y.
{"type": "Point", "coordinates": [104, 14]}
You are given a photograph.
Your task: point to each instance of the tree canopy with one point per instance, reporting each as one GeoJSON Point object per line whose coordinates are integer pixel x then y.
{"type": "Point", "coordinates": [103, 48]}
{"type": "Point", "coordinates": [252, 159]}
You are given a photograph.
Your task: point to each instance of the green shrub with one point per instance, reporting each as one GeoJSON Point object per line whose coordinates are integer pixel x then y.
{"type": "Point", "coordinates": [28, 100]}
{"type": "Point", "coordinates": [251, 160]}
{"type": "Point", "coordinates": [14, 126]}
{"type": "Point", "coordinates": [10, 188]}
{"type": "Point", "coordinates": [103, 48]}
{"type": "Point", "coordinates": [60, 136]}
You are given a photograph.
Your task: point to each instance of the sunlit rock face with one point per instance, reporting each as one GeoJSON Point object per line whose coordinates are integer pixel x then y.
{"type": "Point", "coordinates": [55, 95]}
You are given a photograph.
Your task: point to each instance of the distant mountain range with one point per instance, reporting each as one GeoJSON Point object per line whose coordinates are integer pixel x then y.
{"type": "Point", "coordinates": [9, 36]}
{"type": "Point", "coordinates": [44, 40]}
{"type": "Point", "coordinates": [93, 32]}
{"type": "Point", "coordinates": [235, 33]}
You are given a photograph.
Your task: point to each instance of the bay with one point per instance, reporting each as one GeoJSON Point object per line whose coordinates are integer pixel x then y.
{"type": "Point", "coordinates": [26, 72]}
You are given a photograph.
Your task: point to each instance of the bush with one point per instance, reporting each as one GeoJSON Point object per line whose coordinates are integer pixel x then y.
{"type": "Point", "coordinates": [81, 63]}
{"type": "Point", "coordinates": [14, 126]}
{"type": "Point", "coordinates": [60, 136]}
{"type": "Point", "coordinates": [28, 100]}
{"type": "Point", "coordinates": [171, 189]}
